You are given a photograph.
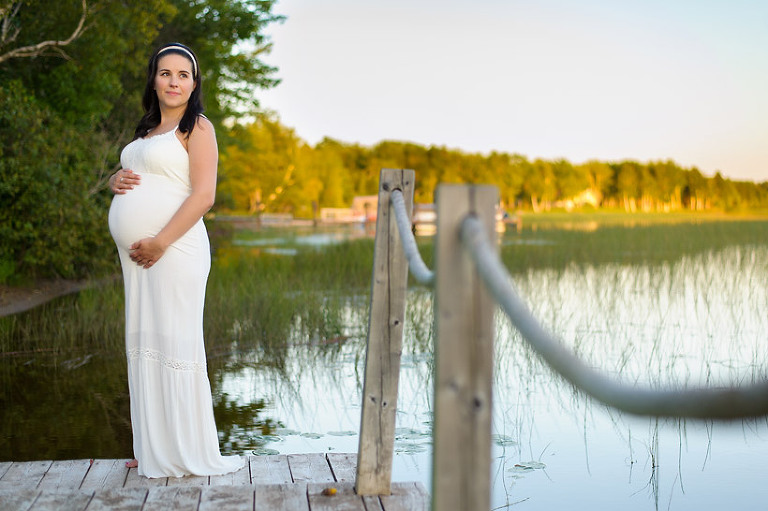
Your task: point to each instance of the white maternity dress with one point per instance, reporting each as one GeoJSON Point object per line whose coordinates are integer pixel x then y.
{"type": "Point", "coordinates": [174, 432]}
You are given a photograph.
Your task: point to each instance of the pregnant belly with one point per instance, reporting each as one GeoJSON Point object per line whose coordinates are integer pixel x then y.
{"type": "Point", "coordinates": [145, 210]}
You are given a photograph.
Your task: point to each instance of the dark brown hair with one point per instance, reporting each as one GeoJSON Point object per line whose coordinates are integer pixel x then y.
{"type": "Point", "coordinates": [151, 104]}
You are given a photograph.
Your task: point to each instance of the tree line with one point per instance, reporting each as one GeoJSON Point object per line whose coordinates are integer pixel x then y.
{"type": "Point", "coordinates": [268, 168]}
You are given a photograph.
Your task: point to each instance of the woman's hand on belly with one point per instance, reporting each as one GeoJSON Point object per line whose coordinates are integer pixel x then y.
{"type": "Point", "coordinates": [147, 251]}
{"type": "Point", "coordinates": [124, 180]}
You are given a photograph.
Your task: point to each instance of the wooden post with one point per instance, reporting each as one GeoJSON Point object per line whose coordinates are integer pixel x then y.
{"type": "Point", "coordinates": [385, 340]}
{"type": "Point", "coordinates": [463, 357]}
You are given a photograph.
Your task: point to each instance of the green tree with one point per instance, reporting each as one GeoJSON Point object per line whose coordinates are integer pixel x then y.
{"type": "Point", "coordinates": [539, 184]}
{"type": "Point", "coordinates": [360, 163]}
{"type": "Point", "coordinates": [669, 183]}
{"type": "Point", "coordinates": [570, 180]}
{"type": "Point", "coordinates": [695, 191]}
{"type": "Point", "coordinates": [256, 171]}
{"type": "Point", "coordinates": [329, 168]}
{"type": "Point", "coordinates": [628, 184]}
{"type": "Point", "coordinates": [447, 165]}
{"type": "Point", "coordinates": [724, 193]}
{"type": "Point", "coordinates": [304, 197]}
{"type": "Point", "coordinates": [599, 175]}
{"type": "Point", "coordinates": [647, 189]}
{"type": "Point", "coordinates": [507, 172]}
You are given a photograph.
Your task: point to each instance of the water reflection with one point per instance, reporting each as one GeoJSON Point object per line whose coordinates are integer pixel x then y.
{"type": "Point", "coordinates": [60, 408]}
{"type": "Point", "coordinates": [317, 237]}
{"type": "Point", "coordinates": [78, 407]}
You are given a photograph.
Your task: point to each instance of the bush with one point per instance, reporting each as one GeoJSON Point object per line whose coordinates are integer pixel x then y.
{"type": "Point", "coordinates": [52, 223]}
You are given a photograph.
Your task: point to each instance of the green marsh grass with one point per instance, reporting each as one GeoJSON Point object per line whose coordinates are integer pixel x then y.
{"type": "Point", "coordinates": [254, 300]}
{"type": "Point", "coordinates": [561, 245]}
{"type": "Point", "coordinates": [90, 320]}
{"type": "Point", "coordinates": [266, 302]}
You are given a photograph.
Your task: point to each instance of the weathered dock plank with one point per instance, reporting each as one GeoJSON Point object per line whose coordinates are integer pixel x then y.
{"type": "Point", "coordinates": [188, 481]}
{"type": "Point", "coordinates": [4, 466]}
{"type": "Point", "coordinates": [118, 499]}
{"type": "Point", "coordinates": [105, 474]}
{"type": "Point", "coordinates": [372, 503]}
{"type": "Point", "coordinates": [58, 500]}
{"type": "Point", "coordinates": [343, 466]}
{"type": "Point", "coordinates": [226, 498]}
{"type": "Point", "coordinates": [344, 499]}
{"type": "Point", "coordinates": [406, 496]}
{"type": "Point", "coordinates": [281, 497]}
{"type": "Point", "coordinates": [24, 474]}
{"type": "Point", "coordinates": [172, 498]}
{"type": "Point", "coordinates": [270, 469]}
{"type": "Point", "coordinates": [310, 468]}
{"type": "Point", "coordinates": [65, 474]}
{"type": "Point", "coordinates": [134, 480]}
{"type": "Point", "coordinates": [14, 500]}
{"type": "Point", "coordinates": [239, 478]}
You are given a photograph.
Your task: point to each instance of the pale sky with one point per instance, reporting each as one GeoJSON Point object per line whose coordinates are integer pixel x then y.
{"type": "Point", "coordinates": [579, 79]}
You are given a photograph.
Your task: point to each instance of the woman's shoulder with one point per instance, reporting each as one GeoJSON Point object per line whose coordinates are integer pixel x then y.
{"type": "Point", "coordinates": [203, 122]}
{"type": "Point", "coordinates": [203, 134]}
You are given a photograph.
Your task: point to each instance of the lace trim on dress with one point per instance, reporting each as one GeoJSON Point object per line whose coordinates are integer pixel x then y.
{"type": "Point", "coordinates": [156, 356]}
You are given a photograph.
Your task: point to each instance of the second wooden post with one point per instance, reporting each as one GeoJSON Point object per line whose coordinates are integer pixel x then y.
{"type": "Point", "coordinates": [464, 311]}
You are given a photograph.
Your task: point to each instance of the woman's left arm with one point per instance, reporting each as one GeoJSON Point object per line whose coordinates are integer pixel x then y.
{"type": "Point", "coordinates": [203, 163]}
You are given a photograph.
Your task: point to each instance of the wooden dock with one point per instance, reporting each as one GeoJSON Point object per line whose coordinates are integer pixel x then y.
{"type": "Point", "coordinates": [293, 482]}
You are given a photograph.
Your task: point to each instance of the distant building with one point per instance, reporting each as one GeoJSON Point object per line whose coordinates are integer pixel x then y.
{"type": "Point", "coordinates": [365, 207]}
{"type": "Point", "coordinates": [337, 215]}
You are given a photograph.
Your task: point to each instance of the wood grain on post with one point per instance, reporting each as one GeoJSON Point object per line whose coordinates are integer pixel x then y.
{"type": "Point", "coordinates": [463, 356]}
{"type": "Point", "coordinates": [385, 339]}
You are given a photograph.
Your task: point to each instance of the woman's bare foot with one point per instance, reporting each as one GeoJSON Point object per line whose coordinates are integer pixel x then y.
{"type": "Point", "coordinates": [132, 464]}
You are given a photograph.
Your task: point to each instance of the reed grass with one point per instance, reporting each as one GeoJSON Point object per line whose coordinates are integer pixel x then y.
{"type": "Point", "coordinates": [654, 243]}
{"type": "Point", "coordinates": [92, 319]}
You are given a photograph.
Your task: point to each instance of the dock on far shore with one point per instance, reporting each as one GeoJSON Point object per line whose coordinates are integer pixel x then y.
{"type": "Point", "coordinates": [293, 482]}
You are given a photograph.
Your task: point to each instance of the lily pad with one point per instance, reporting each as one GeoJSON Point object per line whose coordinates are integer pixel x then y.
{"type": "Point", "coordinates": [409, 448]}
{"type": "Point", "coordinates": [526, 466]}
{"type": "Point", "coordinates": [267, 438]}
{"type": "Point", "coordinates": [410, 434]}
{"type": "Point", "coordinates": [342, 433]}
{"type": "Point", "coordinates": [504, 440]}
{"type": "Point", "coordinates": [265, 452]}
{"type": "Point", "coordinates": [285, 432]}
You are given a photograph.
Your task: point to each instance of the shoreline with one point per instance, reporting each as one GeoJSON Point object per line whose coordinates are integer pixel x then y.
{"type": "Point", "coordinates": [18, 299]}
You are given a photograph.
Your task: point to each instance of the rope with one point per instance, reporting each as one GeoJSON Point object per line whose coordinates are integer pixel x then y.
{"type": "Point", "coordinates": [415, 263]}
{"type": "Point", "coordinates": [713, 403]}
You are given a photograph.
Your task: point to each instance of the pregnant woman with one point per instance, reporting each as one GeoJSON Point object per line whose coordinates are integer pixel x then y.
{"type": "Point", "coordinates": [166, 184]}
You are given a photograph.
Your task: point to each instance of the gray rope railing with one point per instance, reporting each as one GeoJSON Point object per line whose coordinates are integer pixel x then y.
{"type": "Point", "coordinates": [712, 403]}
{"type": "Point", "coordinates": [415, 263]}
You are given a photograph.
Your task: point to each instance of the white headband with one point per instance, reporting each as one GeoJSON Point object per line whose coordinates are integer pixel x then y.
{"type": "Point", "coordinates": [180, 48]}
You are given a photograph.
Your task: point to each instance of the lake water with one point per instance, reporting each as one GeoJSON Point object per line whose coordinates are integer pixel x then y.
{"type": "Point", "coordinates": [694, 316]}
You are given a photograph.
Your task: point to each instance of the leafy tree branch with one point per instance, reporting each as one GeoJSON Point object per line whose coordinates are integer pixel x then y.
{"type": "Point", "coordinates": [10, 29]}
